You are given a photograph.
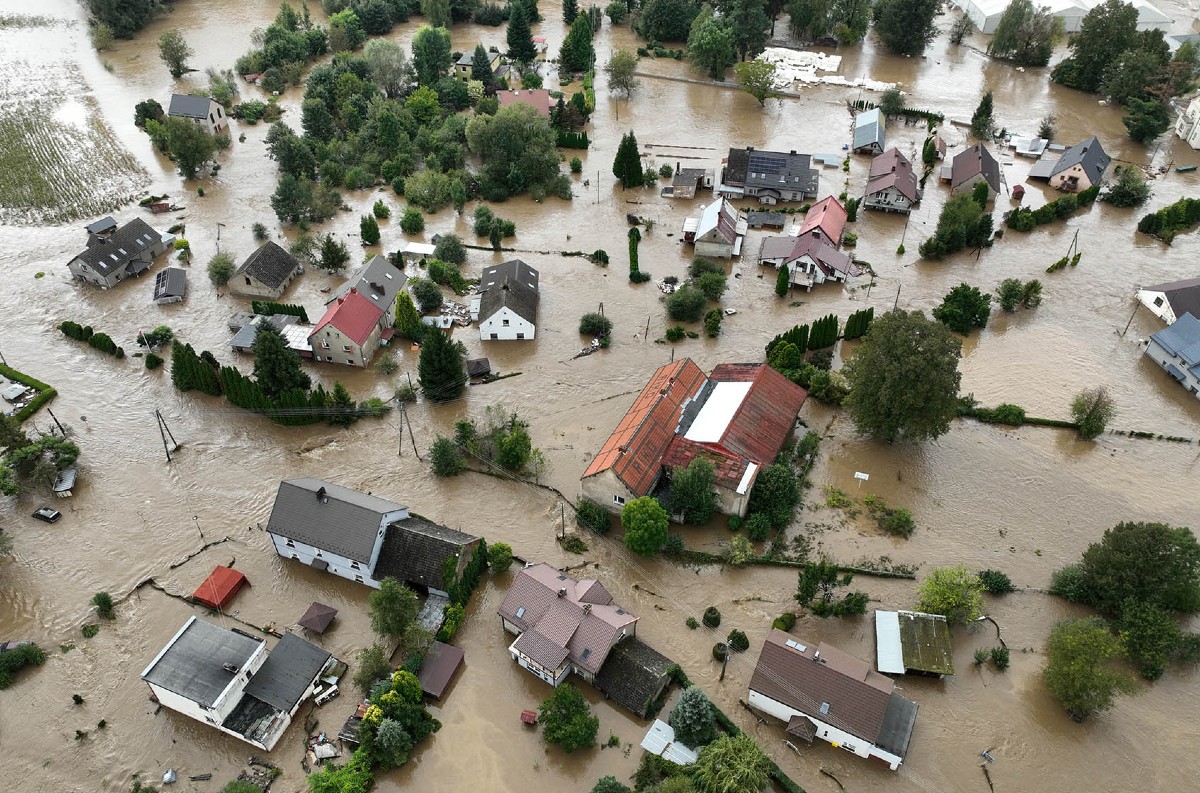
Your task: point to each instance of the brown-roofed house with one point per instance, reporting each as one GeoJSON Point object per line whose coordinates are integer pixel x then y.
{"type": "Point", "coordinates": [892, 185]}
{"type": "Point", "coordinates": [537, 98]}
{"type": "Point", "coordinates": [825, 693]}
{"type": "Point", "coordinates": [972, 165]}
{"type": "Point", "coordinates": [809, 259]}
{"type": "Point", "coordinates": [266, 273]}
{"type": "Point", "coordinates": [825, 220]}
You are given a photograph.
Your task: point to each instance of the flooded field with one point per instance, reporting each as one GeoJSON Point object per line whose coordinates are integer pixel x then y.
{"type": "Point", "coordinates": [1024, 501]}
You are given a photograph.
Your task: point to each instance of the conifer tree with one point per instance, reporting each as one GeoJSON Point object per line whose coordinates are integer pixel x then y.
{"type": "Point", "coordinates": [783, 281]}
{"type": "Point", "coordinates": [481, 68]}
{"type": "Point", "coordinates": [440, 370]}
{"type": "Point", "coordinates": [519, 36]}
{"type": "Point", "coordinates": [341, 407]}
{"type": "Point", "coordinates": [276, 366]}
{"type": "Point", "coordinates": [628, 163]}
{"type": "Point", "coordinates": [982, 121]}
{"type": "Point", "coordinates": [408, 321]}
{"type": "Point", "coordinates": [570, 11]}
{"type": "Point", "coordinates": [577, 53]}
{"type": "Point", "coordinates": [368, 229]}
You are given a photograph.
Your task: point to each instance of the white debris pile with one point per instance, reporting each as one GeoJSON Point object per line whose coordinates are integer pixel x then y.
{"type": "Point", "coordinates": [792, 66]}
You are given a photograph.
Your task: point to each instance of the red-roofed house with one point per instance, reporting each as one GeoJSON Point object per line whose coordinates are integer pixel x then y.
{"type": "Point", "coordinates": [738, 418]}
{"type": "Point", "coordinates": [827, 220]}
{"type": "Point", "coordinates": [718, 231]}
{"type": "Point", "coordinates": [538, 98]}
{"type": "Point", "coordinates": [349, 332]}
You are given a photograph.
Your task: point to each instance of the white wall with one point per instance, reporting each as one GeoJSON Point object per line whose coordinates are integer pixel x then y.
{"type": "Point", "coordinates": [826, 732]}
{"type": "Point", "coordinates": [720, 250]}
{"type": "Point", "coordinates": [494, 327]}
{"type": "Point", "coordinates": [888, 199]}
{"type": "Point", "coordinates": [338, 565]}
{"type": "Point", "coordinates": [604, 488]}
{"type": "Point", "coordinates": [1158, 304]}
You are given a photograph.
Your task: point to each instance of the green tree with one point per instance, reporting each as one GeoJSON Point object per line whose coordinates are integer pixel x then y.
{"type": "Point", "coordinates": [389, 67]}
{"type": "Point", "coordinates": [692, 718]}
{"type": "Point", "coordinates": [1151, 637]}
{"type": "Point", "coordinates": [437, 13]}
{"type": "Point", "coordinates": [1093, 409]}
{"type": "Point", "coordinates": [392, 608]}
{"type": "Point", "coordinates": [982, 122]}
{"type": "Point", "coordinates": [189, 146]}
{"type": "Point", "coordinates": [731, 764]}
{"type": "Point", "coordinates": [1010, 293]}
{"type": "Point", "coordinates": [776, 494]}
{"type": "Point", "coordinates": [757, 78]}
{"type": "Point", "coordinates": [239, 786]}
{"type": "Point", "coordinates": [783, 281]}
{"type": "Point", "coordinates": [1146, 120]}
{"type": "Point", "coordinates": [125, 17]}
{"type": "Point", "coordinates": [692, 491]}
{"type": "Point", "coordinates": [500, 557]}
{"type": "Point", "coordinates": [567, 719]}
{"type": "Point", "coordinates": [334, 255]}
{"type": "Point", "coordinates": [35, 461]}
{"type": "Point", "coordinates": [373, 666]}
{"type": "Point", "coordinates": [342, 410]}
{"type": "Point", "coordinates": [440, 370]}
{"type": "Point", "coordinates": [1106, 31]}
{"type": "Point", "coordinates": [518, 149]}
{"type": "Point", "coordinates": [686, 304]}
{"type": "Point", "coordinates": [962, 27]}
{"type": "Point", "coordinates": [906, 27]}
{"type": "Point", "coordinates": [963, 308]}
{"type": "Point", "coordinates": [962, 223]}
{"type": "Point", "coordinates": [627, 165]}
{"type": "Point", "coordinates": [749, 21]}
{"type": "Point", "coordinates": [481, 68]}
{"type": "Point", "coordinates": [446, 458]}
{"type": "Point", "coordinates": [412, 221]}
{"type": "Point", "coordinates": [645, 524]}
{"type": "Point", "coordinates": [368, 229]}
{"type": "Point", "coordinates": [1025, 35]}
{"type": "Point", "coordinates": [817, 586]}
{"type": "Point", "coordinates": [220, 269]}
{"type": "Point", "coordinates": [316, 120]}
{"type": "Point", "coordinates": [852, 18]}
{"type": "Point", "coordinates": [810, 19]}
{"type": "Point", "coordinates": [408, 321]}
{"type": "Point", "coordinates": [891, 102]}
{"type": "Point", "coordinates": [1079, 667]}
{"type": "Point", "coordinates": [1129, 189]}
{"type": "Point", "coordinates": [620, 70]}
{"type": "Point", "coordinates": [276, 366]}
{"type": "Point", "coordinates": [174, 52]}
{"type": "Point", "coordinates": [904, 378]}
{"type": "Point", "coordinates": [710, 44]}
{"type": "Point", "coordinates": [666, 20]}
{"type": "Point", "coordinates": [577, 53]}
{"type": "Point", "coordinates": [519, 36]}
{"type": "Point", "coordinates": [570, 10]}
{"type": "Point", "coordinates": [609, 784]}
{"type": "Point", "coordinates": [449, 248]}
{"type": "Point", "coordinates": [954, 592]}
{"type": "Point", "coordinates": [1143, 562]}
{"type": "Point", "coordinates": [427, 294]}
{"type": "Point", "coordinates": [431, 54]}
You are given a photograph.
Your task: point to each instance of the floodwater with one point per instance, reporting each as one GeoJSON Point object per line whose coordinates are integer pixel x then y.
{"type": "Point", "coordinates": [1025, 501]}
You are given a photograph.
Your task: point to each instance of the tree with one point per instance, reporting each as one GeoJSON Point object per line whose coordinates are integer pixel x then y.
{"type": "Point", "coordinates": [518, 149]}
{"type": "Point", "coordinates": [891, 103]}
{"type": "Point", "coordinates": [334, 255]}
{"type": "Point", "coordinates": [427, 294]}
{"type": "Point", "coordinates": [1151, 636]}
{"type": "Point", "coordinates": [567, 719]}
{"type": "Point", "coordinates": [963, 223]}
{"type": "Point", "coordinates": [608, 784]}
{"type": "Point", "coordinates": [906, 27]}
{"type": "Point", "coordinates": [962, 27]}
{"type": "Point", "coordinates": [627, 165]}
{"type": "Point", "coordinates": [449, 248]}
{"type": "Point", "coordinates": [1046, 128]}
{"type": "Point", "coordinates": [437, 13]}
{"type": "Point", "coordinates": [440, 370]}
{"type": "Point", "coordinates": [220, 269]}
{"type": "Point", "coordinates": [412, 221]}
{"type": "Point", "coordinates": [392, 608]}
{"type": "Point", "coordinates": [810, 19]}
{"type": "Point", "coordinates": [817, 584]}
{"type": "Point", "coordinates": [33, 461]}
{"type": "Point", "coordinates": [570, 10]}
{"type": "Point", "coordinates": [692, 718]}
{"type": "Point", "coordinates": [1025, 35]}
{"type": "Point", "coordinates": [963, 308]}
{"type": "Point", "coordinates": [519, 36]}
{"type": "Point", "coordinates": [1010, 293]}
{"type": "Point", "coordinates": [373, 666]}
{"type": "Point", "coordinates": [620, 70]}
{"type": "Point", "coordinates": [239, 786]}
{"type": "Point", "coordinates": [982, 122]}
{"type": "Point", "coordinates": [446, 458]}
{"type": "Point", "coordinates": [368, 229]}
{"type": "Point", "coordinates": [954, 592]}
{"type": "Point", "coordinates": [189, 146]}
{"type": "Point", "coordinates": [341, 408]}
{"type": "Point", "coordinates": [1079, 667]}
{"type": "Point", "coordinates": [1106, 31]}
{"type": "Point", "coordinates": [666, 20]}
{"type": "Point", "coordinates": [686, 304]}
{"type": "Point", "coordinates": [1149, 563]}
{"type": "Point", "coordinates": [174, 52]}
{"type": "Point", "coordinates": [481, 68]}
{"type": "Point", "coordinates": [749, 21]}
{"type": "Point", "coordinates": [692, 491]}
{"type": "Point", "coordinates": [783, 281]}
{"type": "Point", "coordinates": [1093, 409]}
{"type": "Point", "coordinates": [276, 366]}
{"type": "Point", "coordinates": [148, 110]}
{"type": "Point", "coordinates": [500, 556]}
{"type": "Point", "coordinates": [731, 764]}
{"type": "Point", "coordinates": [1130, 188]}
{"type": "Point", "coordinates": [710, 44]}
{"type": "Point", "coordinates": [1146, 120]}
{"type": "Point", "coordinates": [904, 378]}
{"type": "Point", "coordinates": [645, 524]}
{"type": "Point", "coordinates": [577, 53]}
{"type": "Point", "coordinates": [431, 54]}
{"type": "Point", "coordinates": [757, 78]}
{"type": "Point", "coordinates": [408, 321]}
{"type": "Point", "coordinates": [776, 494]}
{"type": "Point", "coordinates": [389, 67]}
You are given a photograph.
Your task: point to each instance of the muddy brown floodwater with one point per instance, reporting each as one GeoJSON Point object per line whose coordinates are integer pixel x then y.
{"type": "Point", "coordinates": [1025, 501]}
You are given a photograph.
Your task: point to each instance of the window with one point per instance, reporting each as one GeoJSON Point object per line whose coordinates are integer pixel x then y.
{"type": "Point", "coordinates": [345, 348]}
{"type": "Point", "coordinates": [319, 552]}
{"type": "Point", "coordinates": [504, 323]}
{"type": "Point", "coordinates": [290, 544]}
{"type": "Point", "coordinates": [1158, 301]}
{"type": "Point", "coordinates": [350, 361]}
{"type": "Point", "coordinates": [211, 120]}
{"type": "Point", "coordinates": [294, 556]}
{"type": "Point", "coordinates": [618, 500]}
{"type": "Point", "coordinates": [247, 280]}
{"type": "Point", "coordinates": [520, 612]}
{"type": "Point", "coordinates": [495, 336]}
{"type": "Point", "coordinates": [324, 345]}
{"type": "Point", "coordinates": [358, 578]}
{"type": "Point", "coordinates": [520, 335]}
{"type": "Point", "coordinates": [354, 565]}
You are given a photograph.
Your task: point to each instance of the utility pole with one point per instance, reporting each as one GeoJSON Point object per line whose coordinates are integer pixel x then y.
{"type": "Point", "coordinates": [897, 303]}
{"type": "Point", "coordinates": [60, 426]}
{"type": "Point", "coordinates": [647, 336]}
{"type": "Point", "coordinates": [562, 516]}
{"type": "Point", "coordinates": [411, 437]}
{"type": "Point", "coordinates": [1127, 324]}
{"type": "Point", "coordinates": [400, 449]}
{"type": "Point", "coordinates": [165, 431]}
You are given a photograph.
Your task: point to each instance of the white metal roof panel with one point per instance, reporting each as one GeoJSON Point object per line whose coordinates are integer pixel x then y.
{"type": "Point", "coordinates": [889, 657]}
{"type": "Point", "coordinates": [710, 423]}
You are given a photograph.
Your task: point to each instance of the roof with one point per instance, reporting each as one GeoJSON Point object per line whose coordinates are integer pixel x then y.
{"type": "Point", "coordinates": [889, 655]}
{"type": "Point", "coordinates": [1182, 339]}
{"type": "Point", "coordinates": [330, 517]}
{"type": "Point", "coordinates": [759, 218]}
{"type": "Point", "coordinates": [634, 675]}
{"type": "Point", "coordinates": [721, 216]}
{"type": "Point", "coordinates": [893, 169]}
{"type": "Point", "coordinates": [868, 129]}
{"type": "Point", "coordinates": [288, 673]}
{"type": "Point", "coordinates": [1090, 155]}
{"type": "Point", "coordinates": [102, 225]}
{"type": "Point", "coordinates": [441, 662]}
{"type": "Point", "coordinates": [688, 177]}
{"type": "Point", "coordinates": [112, 254]}
{"type": "Point", "coordinates": [538, 98]}
{"type": "Point", "coordinates": [478, 367]}
{"type": "Point", "coordinates": [192, 664]}
{"type": "Point", "coordinates": [270, 265]}
{"type": "Point", "coordinates": [244, 338]}
{"type": "Point", "coordinates": [317, 617]}
{"type": "Point", "coordinates": [512, 285]}
{"type": "Point", "coordinates": [378, 280]}
{"type": "Point", "coordinates": [771, 169]}
{"type": "Point", "coordinates": [837, 688]}
{"type": "Point", "coordinates": [827, 257]}
{"type": "Point", "coordinates": [1183, 296]}
{"type": "Point", "coordinates": [170, 282]}
{"type": "Point", "coordinates": [354, 314]}
{"type": "Point", "coordinates": [583, 621]}
{"type": "Point", "coordinates": [827, 216]}
{"type": "Point", "coordinates": [972, 161]}
{"type": "Point", "coordinates": [637, 445]}
{"type": "Point", "coordinates": [189, 106]}
{"type": "Point", "coordinates": [220, 587]}
{"type": "Point", "coordinates": [910, 641]}
{"type": "Point", "coordinates": [660, 740]}
{"type": "Point", "coordinates": [415, 550]}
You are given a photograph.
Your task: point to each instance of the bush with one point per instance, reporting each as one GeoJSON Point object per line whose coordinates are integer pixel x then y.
{"type": "Point", "coordinates": [18, 658]}
{"type": "Point", "coordinates": [567, 720]}
{"type": "Point", "coordinates": [733, 523]}
{"type": "Point", "coordinates": [674, 545]}
{"type": "Point", "coordinates": [758, 526]}
{"type": "Point", "coordinates": [445, 458]}
{"type": "Point", "coordinates": [692, 623]}
{"type": "Point", "coordinates": [738, 641]}
{"type": "Point", "coordinates": [981, 656]}
{"type": "Point", "coordinates": [675, 333]}
{"type": "Point", "coordinates": [104, 605]}
{"type": "Point", "coordinates": [1000, 658]}
{"type": "Point", "coordinates": [500, 557]}
{"type": "Point", "coordinates": [720, 652]}
{"type": "Point", "coordinates": [595, 324]}
{"type": "Point", "coordinates": [449, 248]}
{"type": "Point", "coordinates": [153, 361]}
{"type": "Point", "coordinates": [712, 323]}
{"type": "Point", "coordinates": [785, 621]}
{"type": "Point", "coordinates": [427, 293]}
{"type": "Point", "coordinates": [1068, 582]}
{"type": "Point", "coordinates": [220, 269]}
{"type": "Point", "coordinates": [590, 515]}
{"type": "Point", "coordinates": [686, 304]}
{"type": "Point", "coordinates": [412, 221]}
{"type": "Point", "coordinates": [996, 582]}
{"type": "Point", "coordinates": [712, 617]}
{"type": "Point", "coordinates": [381, 210]}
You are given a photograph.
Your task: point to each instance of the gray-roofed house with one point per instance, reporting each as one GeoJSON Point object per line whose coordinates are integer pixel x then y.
{"type": "Point", "coordinates": [295, 334]}
{"type": "Point", "coordinates": [634, 676]}
{"type": "Point", "coordinates": [379, 281]}
{"type": "Point", "coordinates": [130, 250]}
{"type": "Point", "coordinates": [717, 232]}
{"type": "Point", "coordinates": [203, 111]}
{"type": "Point", "coordinates": [416, 551]}
{"type": "Point", "coordinates": [104, 226]}
{"type": "Point", "coordinates": [562, 625]}
{"type": "Point", "coordinates": [769, 176]}
{"type": "Point", "coordinates": [766, 220]}
{"type": "Point", "coordinates": [170, 285]}
{"type": "Point", "coordinates": [822, 692]}
{"type": "Point", "coordinates": [892, 186]}
{"type": "Point", "coordinates": [809, 259]}
{"type": "Point", "coordinates": [1177, 350]}
{"type": "Point", "coordinates": [975, 164]}
{"type": "Point", "coordinates": [1080, 167]}
{"type": "Point", "coordinates": [912, 642]}
{"type": "Point", "coordinates": [509, 302]}
{"type": "Point", "coordinates": [687, 181]}
{"type": "Point", "coordinates": [868, 132]}
{"type": "Point", "coordinates": [266, 273]}
{"type": "Point", "coordinates": [1172, 300]}
{"type": "Point", "coordinates": [230, 680]}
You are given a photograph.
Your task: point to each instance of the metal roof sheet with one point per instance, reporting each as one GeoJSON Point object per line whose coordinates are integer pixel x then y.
{"type": "Point", "coordinates": [889, 657]}
{"type": "Point", "coordinates": [192, 664]}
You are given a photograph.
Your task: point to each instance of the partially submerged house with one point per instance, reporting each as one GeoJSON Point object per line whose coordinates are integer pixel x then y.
{"type": "Point", "coordinates": [766, 220]}
{"type": "Point", "coordinates": [660, 740]}
{"type": "Point", "coordinates": [771, 177]}
{"type": "Point", "coordinates": [1187, 126]}
{"type": "Point", "coordinates": [295, 334]}
{"type": "Point", "coordinates": [809, 259]}
{"type": "Point", "coordinates": [634, 676]}
{"type": "Point", "coordinates": [363, 537]}
{"type": "Point", "coordinates": [911, 642]}
{"type": "Point", "coordinates": [825, 220]}
{"type": "Point", "coordinates": [822, 692]}
{"type": "Point", "coordinates": [717, 232]}
{"type": "Point", "coordinates": [892, 186]}
{"type": "Point", "coordinates": [230, 680]}
{"type": "Point", "coordinates": [463, 67]}
{"type": "Point", "coordinates": [537, 98]}
{"type": "Point", "coordinates": [380, 282]}
{"type": "Point", "coordinates": [220, 587]}
{"type": "Point", "coordinates": [508, 304]}
{"type": "Point", "coordinates": [1080, 167]}
{"type": "Point", "coordinates": [1172, 300]}
{"type": "Point", "coordinates": [687, 181]}
{"type": "Point", "coordinates": [128, 251]}
{"type": "Point", "coordinates": [170, 285]}
{"type": "Point", "coordinates": [868, 132]}
{"type": "Point", "coordinates": [203, 111]}
{"type": "Point", "coordinates": [266, 273]}
{"type": "Point", "coordinates": [349, 332]}
{"type": "Point", "coordinates": [102, 227]}
{"type": "Point", "coordinates": [1177, 350]}
{"type": "Point", "coordinates": [973, 165]}
{"type": "Point", "coordinates": [738, 418]}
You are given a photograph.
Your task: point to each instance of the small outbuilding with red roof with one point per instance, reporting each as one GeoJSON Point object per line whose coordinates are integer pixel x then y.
{"type": "Point", "coordinates": [537, 98]}
{"type": "Point", "coordinates": [220, 587]}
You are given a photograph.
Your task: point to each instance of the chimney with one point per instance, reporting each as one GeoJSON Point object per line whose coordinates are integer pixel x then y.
{"type": "Point", "coordinates": [587, 608]}
{"type": "Point", "coordinates": [817, 656]}
{"type": "Point", "coordinates": [562, 592]}
{"type": "Point", "coordinates": [321, 494]}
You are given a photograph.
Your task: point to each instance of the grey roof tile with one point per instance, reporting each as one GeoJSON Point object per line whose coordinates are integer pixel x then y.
{"type": "Point", "coordinates": [271, 265]}
{"type": "Point", "coordinates": [193, 665]}
{"type": "Point", "coordinates": [344, 521]}
{"type": "Point", "coordinates": [513, 284]}
{"type": "Point", "coordinates": [288, 672]}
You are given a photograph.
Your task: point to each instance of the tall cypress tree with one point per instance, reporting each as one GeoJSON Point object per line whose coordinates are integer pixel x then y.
{"type": "Point", "coordinates": [440, 370]}
{"type": "Point", "coordinates": [276, 366]}
{"type": "Point", "coordinates": [577, 53]}
{"type": "Point", "coordinates": [481, 68]}
{"type": "Point", "coordinates": [519, 36]}
{"type": "Point", "coordinates": [341, 406]}
{"type": "Point", "coordinates": [570, 11]}
{"type": "Point", "coordinates": [408, 321]}
{"type": "Point", "coordinates": [783, 281]}
{"type": "Point", "coordinates": [627, 166]}
{"type": "Point", "coordinates": [982, 121]}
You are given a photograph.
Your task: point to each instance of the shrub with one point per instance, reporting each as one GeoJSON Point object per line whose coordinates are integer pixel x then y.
{"type": "Point", "coordinates": [899, 522]}
{"type": "Point", "coordinates": [567, 719]}
{"type": "Point", "coordinates": [758, 526]}
{"type": "Point", "coordinates": [1000, 658]}
{"type": "Point", "coordinates": [260, 232]}
{"type": "Point", "coordinates": [712, 323]}
{"type": "Point", "coordinates": [675, 333]}
{"type": "Point", "coordinates": [573, 544]}
{"type": "Point", "coordinates": [1068, 582]}
{"type": "Point", "coordinates": [445, 458]}
{"type": "Point", "coordinates": [674, 545]}
{"type": "Point", "coordinates": [412, 221]}
{"type": "Point", "coordinates": [738, 641]}
{"type": "Point", "coordinates": [693, 719]}
{"type": "Point", "coordinates": [500, 557]}
{"type": "Point", "coordinates": [220, 269]}
{"type": "Point", "coordinates": [981, 656]}
{"type": "Point", "coordinates": [16, 659]}
{"type": "Point", "coordinates": [720, 651]}
{"type": "Point", "coordinates": [90, 630]}
{"type": "Point", "coordinates": [449, 248]}
{"type": "Point", "coordinates": [104, 605]}
{"type": "Point", "coordinates": [712, 617]}
{"type": "Point", "coordinates": [595, 324]}
{"type": "Point", "coordinates": [576, 165]}
{"type": "Point", "coordinates": [427, 293]}
{"type": "Point", "coordinates": [381, 210]}
{"type": "Point", "coordinates": [734, 523]}
{"type": "Point", "coordinates": [590, 515]}
{"type": "Point", "coordinates": [996, 582]}
{"type": "Point", "coordinates": [153, 361]}
{"type": "Point", "coordinates": [686, 304]}
{"type": "Point", "coordinates": [692, 623]}
{"type": "Point", "coordinates": [785, 621]}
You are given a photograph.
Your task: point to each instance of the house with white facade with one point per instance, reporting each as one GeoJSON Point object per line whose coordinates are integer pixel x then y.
{"type": "Point", "coordinates": [868, 132]}
{"type": "Point", "coordinates": [822, 692]}
{"type": "Point", "coordinates": [717, 232]}
{"type": "Point", "coordinates": [116, 255]}
{"type": "Point", "coordinates": [230, 680]}
{"type": "Point", "coordinates": [508, 302]}
{"type": "Point", "coordinates": [1080, 167]}
{"type": "Point", "coordinates": [1187, 126]}
{"type": "Point", "coordinates": [1172, 300]}
{"type": "Point", "coordinates": [892, 186]}
{"type": "Point", "coordinates": [809, 259]}
{"type": "Point", "coordinates": [203, 111]}
{"type": "Point", "coordinates": [1177, 350]}
{"type": "Point", "coordinates": [349, 332]}
{"type": "Point", "coordinates": [266, 273]}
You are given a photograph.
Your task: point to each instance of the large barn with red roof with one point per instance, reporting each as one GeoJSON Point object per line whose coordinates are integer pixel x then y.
{"type": "Point", "coordinates": [738, 418]}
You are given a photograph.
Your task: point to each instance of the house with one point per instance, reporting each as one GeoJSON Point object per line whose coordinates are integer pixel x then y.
{"type": "Point", "coordinates": [363, 537]}
{"type": "Point", "coordinates": [717, 232]}
{"type": "Point", "coordinates": [809, 259]}
{"type": "Point", "coordinates": [1177, 349]}
{"type": "Point", "coordinates": [509, 302]}
{"type": "Point", "coordinates": [380, 281]}
{"type": "Point", "coordinates": [822, 692]}
{"type": "Point", "coordinates": [825, 220]}
{"type": "Point", "coordinates": [738, 418]}
{"type": "Point", "coordinates": [228, 679]}
{"type": "Point", "coordinates": [103, 227]}
{"type": "Point", "coordinates": [295, 334]}
{"type": "Point", "coordinates": [130, 250]}
{"type": "Point", "coordinates": [687, 181]}
{"type": "Point", "coordinates": [892, 186]}
{"type": "Point", "coordinates": [538, 98]}
{"type": "Point", "coordinates": [1080, 167]}
{"type": "Point", "coordinates": [769, 176]}
{"type": "Point", "coordinates": [463, 66]}
{"type": "Point", "coordinates": [1030, 147]}
{"type": "Point", "coordinates": [170, 285]}
{"type": "Point", "coordinates": [986, 13]}
{"type": "Point", "coordinates": [1172, 300]}
{"type": "Point", "coordinates": [202, 111]}
{"type": "Point", "coordinates": [766, 220]}
{"type": "Point", "coordinates": [562, 625]}
{"type": "Point", "coordinates": [349, 332]}
{"type": "Point", "coordinates": [972, 165]}
{"type": "Point", "coordinates": [660, 740]}
{"type": "Point", "coordinates": [910, 642]}
{"type": "Point", "coordinates": [266, 273]}
{"type": "Point", "coordinates": [634, 676]}
{"type": "Point", "coordinates": [939, 147]}
{"type": "Point", "coordinates": [1187, 126]}
{"type": "Point", "coordinates": [868, 132]}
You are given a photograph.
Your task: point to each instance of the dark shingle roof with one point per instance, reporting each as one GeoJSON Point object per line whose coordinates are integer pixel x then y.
{"type": "Point", "coordinates": [893, 169]}
{"type": "Point", "coordinates": [106, 256]}
{"type": "Point", "coordinates": [771, 170]}
{"type": "Point", "coordinates": [379, 280]}
{"type": "Point", "coordinates": [102, 225]}
{"type": "Point", "coordinates": [513, 284]}
{"type": "Point", "coordinates": [1184, 296]}
{"type": "Point", "coordinates": [192, 666]}
{"type": "Point", "coordinates": [634, 675]}
{"type": "Point", "coordinates": [344, 521]}
{"type": "Point", "coordinates": [898, 722]}
{"type": "Point", "coordinates": [414, 550]}
{"type": "Point", "coordinates": [171, 282]}
{"type": "Point", "coordinates": [1090, 154]}
{"type": "Point", "coordinates": [188, 106]}
{"type": "Point", "coordinates": [271, 265]}
{"type": "Point", "coordinates": [975, 160]}
{"type": "Point", "coordinates": [287, 673]}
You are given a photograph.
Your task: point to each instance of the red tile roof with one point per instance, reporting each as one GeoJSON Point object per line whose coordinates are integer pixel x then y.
{"type": "Point", "coordinates": [538, 98]}
{"type": "Point", "coordinates": [827, 216]}
{"type": "Point", "coordinates": [766, 416]}
{"type": "Point", "coordinates": [730, 468]}
{"type": "Point", "coordinates": [892, 169]}
{"type": "Point", "coordinates": [220, 587]}
{"type": "Point", "coordinates": [352, 314]}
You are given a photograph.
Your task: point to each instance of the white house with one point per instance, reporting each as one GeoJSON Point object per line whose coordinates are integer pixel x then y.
{"type": "Point", "coordinates": [809, 258]}
{"type": "Point", "coordinates": [230, 680]}
{"type": "Point", "coordinates": [1187, 126]}
{"type": "Point", "coordinates": [717, 232]}
{"type": "Point", "coordinates": [1170, 301]}
{"type": "Point", "coordinates": [986, 13]}
{"type": "Point", "coordinates": [1177, 350]}
{"type": "Point", "coordinates": [509, 302]}
{"type": "Point", "coordinates": [822, 692]}
{"type": "Point", "coordinates": [202, 111]}
{"type": "Point", "coordinates": [892, 186]}
{"type": "Point", "coordinates": [130, 250]}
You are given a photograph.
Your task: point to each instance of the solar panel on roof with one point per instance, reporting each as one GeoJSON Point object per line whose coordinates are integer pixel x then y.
{"type": "Point", "coordinates": [761, 163]}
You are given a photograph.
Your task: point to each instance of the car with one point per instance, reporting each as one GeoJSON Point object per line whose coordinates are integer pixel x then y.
{"type": "Point", "coordinates": [47, 514]}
